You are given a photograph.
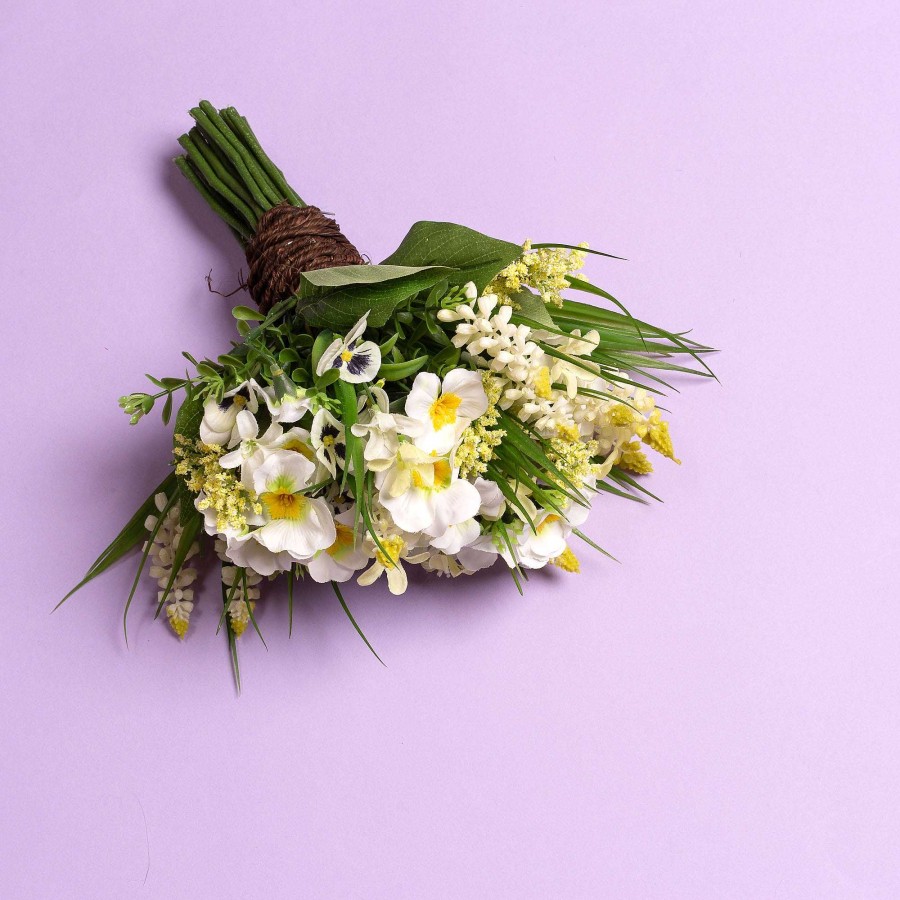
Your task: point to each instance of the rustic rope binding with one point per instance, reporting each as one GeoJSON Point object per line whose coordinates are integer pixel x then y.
{"type": "Point", "coordinates": [290, 240]}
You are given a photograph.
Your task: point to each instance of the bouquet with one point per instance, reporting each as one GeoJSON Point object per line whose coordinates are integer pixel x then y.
{"type": "Point", "coordinates": [453, 407]}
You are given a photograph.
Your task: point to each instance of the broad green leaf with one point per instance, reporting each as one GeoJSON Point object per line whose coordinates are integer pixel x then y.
{"type": "Point", "coordinates": [337, 298]}
{"type": "Point", "coordinates": [476, 256]}
{"type": "Point", "coordinates": [190, 414]}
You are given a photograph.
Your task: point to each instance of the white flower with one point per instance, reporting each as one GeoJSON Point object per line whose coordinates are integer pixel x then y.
{"type": "Point", "coordinates": [219, 423]}
{"type": "Point", "coordinates": [344, 557]}
{"type": "Point", "coordinates": [247, 551]}
{"type": "Point", "coordinates": [485, 333]}
{"type": "Point", "coordinates": [492, 503]}
{"type": "Point", "coordinates": [294, 523]}
{"type": "Point", "coordinates": [447, 409]}
{"type": "Point", "coordinates": [388, 562]}
{"type": "Point", "coordinates": [355, 361]}
{"type": "Point", "coordinates": [381, 431]}
{"type": "Point", "coordinates": [327, 439]}
{"type": "Point", "coordinates": [535, 547]}
{"type": "Point", "coordinates": [252, 449]}
{"type": "Point", "coordinates": [421, 491]}
{"type": "Point", "coordinates": [290, 408]}
{"type": "Point", "coordinates": [455, 537]}
{"type": "Point", "coordinates": [480, 554]}
{"type": "Point", "coordinates": [162, 557]}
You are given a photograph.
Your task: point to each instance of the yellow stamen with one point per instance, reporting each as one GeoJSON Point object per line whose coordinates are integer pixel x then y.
{"type": "Point", "coordinates": [443, 410]}
{"type": "Point", "coordinates": [394, 547]}
{"type": "Point", "coordinates": [567, 561]}
{"type": "Point", "coordinates": [345, 539]}
{"type": "Point", "coordinates": [300, 447]}
{"type": "Point", "coordinates": [283, 504]}
{"type": "Point", "coordinates": [346, 356]}
{"type": "Point", "coordinates": [542, 383]}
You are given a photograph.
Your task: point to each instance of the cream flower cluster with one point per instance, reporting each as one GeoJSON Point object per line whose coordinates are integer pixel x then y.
{"type": "Point", "coordinates": [562, 394]}
{"type": "Point", "coordinates": [161, 551]}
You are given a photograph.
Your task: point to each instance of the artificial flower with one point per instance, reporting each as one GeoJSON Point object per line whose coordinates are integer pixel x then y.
{"type": "Point", "coordinates": [356, 361]}
{"type": "Point", "coordinates": [446, 408]}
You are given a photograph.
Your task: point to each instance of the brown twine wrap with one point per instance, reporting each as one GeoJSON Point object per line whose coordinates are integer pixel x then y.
{"type": "Point", "coordinates": [290, 240]}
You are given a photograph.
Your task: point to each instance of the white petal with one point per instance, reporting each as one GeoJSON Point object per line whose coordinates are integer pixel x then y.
{"type": "Point", "coordinates": [363, 365]}
{"type": "Point", "coordinates": [293, 466]}
{"type": "Point", "coordinates": [356, 331]}
{"type": "Point", "coordinates": [424, 392]}
{"type": "Point", "coordinates": [326, 360]}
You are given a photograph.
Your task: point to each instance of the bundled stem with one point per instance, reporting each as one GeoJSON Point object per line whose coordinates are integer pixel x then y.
{"type": "Point", "coordinates": [226, 164]}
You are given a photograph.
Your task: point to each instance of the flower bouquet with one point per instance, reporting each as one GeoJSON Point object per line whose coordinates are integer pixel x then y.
{"type": "Point", "coordinates": [452, 407]}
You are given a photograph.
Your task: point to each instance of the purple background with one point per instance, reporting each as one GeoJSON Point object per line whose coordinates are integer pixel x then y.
{"type": "Point", "coordinates": [719, 715]}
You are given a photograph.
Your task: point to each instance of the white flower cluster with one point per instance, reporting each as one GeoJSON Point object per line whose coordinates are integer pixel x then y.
{"type": "Point", "coordinates": [551, 393]}
{"type": "Point", "coordinates": [162, 551]}
{"type": "Point", "coordinates": [423, 511]}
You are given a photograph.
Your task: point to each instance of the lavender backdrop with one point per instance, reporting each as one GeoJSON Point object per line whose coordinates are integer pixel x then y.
{"type": "Point", "coordinates": [715, 717]}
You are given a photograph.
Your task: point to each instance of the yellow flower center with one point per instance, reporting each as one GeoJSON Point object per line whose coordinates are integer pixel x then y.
{"type": "Point", "coordinates": [346, 356]}
{"type": "Point", "coordinates": [393, 547]}
{"type": "Point", "coordinates": [548, 521]}
{"type": "Point", "coordinates": [239, 401]}
{"type": "Point", "coordinates": [443, 410]}
{"type": "Point", "coordinates": [344, 541]}
{"type": "Point", "coordinates": [417, 479]}
{"type": "Point", "coordinates": [283, 504]}
{"type": "Point", "coordinates": [300, 447]}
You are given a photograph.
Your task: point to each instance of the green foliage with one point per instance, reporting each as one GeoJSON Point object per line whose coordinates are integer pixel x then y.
{"type": "Point", "coordinates": [475, 256]}
{"type": "Point", "coordinates": [127, 539]}
{"type": "Point", "coordinates": [337, 298]}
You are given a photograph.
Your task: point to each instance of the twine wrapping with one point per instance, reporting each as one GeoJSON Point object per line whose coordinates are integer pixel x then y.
{"type": "Point", "coordinates": [290, 240]}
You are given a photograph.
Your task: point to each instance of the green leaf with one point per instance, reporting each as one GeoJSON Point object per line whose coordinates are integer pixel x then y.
{"type": "Point", "coordinates": [396, 371]}
{"type": "Point", "coordinates": [190, 414]}
{"type": "Point", "coordinates": [337, 298]}
{"type": "Point", "coordinates": [476, 257]}
{"type": "Point", "coordinates": [232, 640]}
{"type": "Point", "coordinates": [128, 538]}
{"type": "Point", "coordinates": [246, 314]}
{"type": "Point", "coordinates": [359, 630]}
{"type": "Point", "coordinates": [532, 307]}
{"type": "Point", "coordinates": [346, 394]}
{"type": "Point", "coordinates": [188, 534]}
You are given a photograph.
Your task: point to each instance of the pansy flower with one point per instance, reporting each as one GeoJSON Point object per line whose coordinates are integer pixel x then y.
{"type": "Point", "coordinates": [356, 361]}
{"type": "Point", "coordinates": [219, 423]}
{"type": "Point", "coordinates": [327, 439]}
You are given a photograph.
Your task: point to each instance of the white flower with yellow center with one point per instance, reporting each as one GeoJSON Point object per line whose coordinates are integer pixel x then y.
{"type": "Point", "coordinates": [356, 361]}
{"type": "Point", "coordinates": [445, 409]}
{"type": "Point", "coordinates": [253, 448]}
{"type": "Point", "coordinates": [422, 492]}
{"type": "Point", "coordinates": [219, 423]}
{"type": "Point", "coordinates": [388, 562]}
{"type": "Point", "coordinates": [345, 556]}
{"type": "Point", "coordinates": [294, 523]}
{"type": "Point", "coordinates": [547, 540]}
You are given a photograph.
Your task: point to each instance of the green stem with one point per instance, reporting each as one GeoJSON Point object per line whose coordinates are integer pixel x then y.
{"type": "Point", "coordinates": [242, 128]}
{"type": "Point", "coordinates": [241, 228]}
